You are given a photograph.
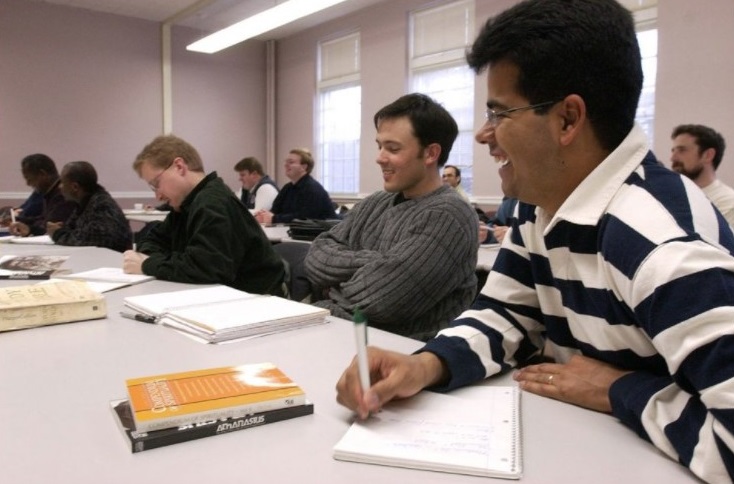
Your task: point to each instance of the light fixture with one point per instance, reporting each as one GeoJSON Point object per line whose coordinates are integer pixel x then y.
{"type": "Point", "coordinates": [262, 22]}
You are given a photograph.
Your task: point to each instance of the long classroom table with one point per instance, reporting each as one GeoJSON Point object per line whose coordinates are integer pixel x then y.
{"type": "Point", "coordinates": [56, 425]}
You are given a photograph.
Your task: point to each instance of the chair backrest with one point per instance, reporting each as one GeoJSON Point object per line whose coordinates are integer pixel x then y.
{"type": "Point", "coordinates": [293, 254]}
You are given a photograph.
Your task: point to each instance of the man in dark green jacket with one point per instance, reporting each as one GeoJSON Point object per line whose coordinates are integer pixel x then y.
{"type": "Point", "coordinates": [209, 237]}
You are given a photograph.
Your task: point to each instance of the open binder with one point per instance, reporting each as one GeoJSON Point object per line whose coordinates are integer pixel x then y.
{"type": "Point", "coordinates": [220, 313]}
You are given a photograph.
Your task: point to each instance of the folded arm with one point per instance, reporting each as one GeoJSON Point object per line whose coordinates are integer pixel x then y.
{"type": "Point", "coordinates": [432, 258]}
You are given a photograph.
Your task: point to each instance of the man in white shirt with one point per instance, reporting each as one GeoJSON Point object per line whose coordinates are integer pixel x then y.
{"type": "Point", "coordinates": [696, 153]}
{"type": "Point", "coordinates": [452, 177]}
{"type": "Point", "coordinates": [261, 190]}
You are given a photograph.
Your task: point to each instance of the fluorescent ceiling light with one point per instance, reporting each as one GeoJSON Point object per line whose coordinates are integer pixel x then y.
{"type": "Point", "coordinates": [260, 23]}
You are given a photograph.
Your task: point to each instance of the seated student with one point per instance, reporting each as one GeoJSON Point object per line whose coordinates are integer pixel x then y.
{"type": "Point", "coordinates": [40, 173]}
{"type": "Point", "coordinates": [98, 220]}
{"type": "Point", "coordinates": [624, 266]}
{"type": "Point", "coordinates": [209, 237]}
{"type": "Point", "coordinates": [32, 208]}
{"type": "Point", "coordinates": [28, 212]}
{"type": "Point", "coordinates": [697, 153]}
{"type": "Point", "coordinates": [301, 198]}
{"type": "Point", "coordinates": [452, 177]}
{"type": "Point", "coordinates": [258, 190]}
{"type": "Point", "coordinates": [405, 256]}
{"type": "Point", "coordinates": [501, 220]}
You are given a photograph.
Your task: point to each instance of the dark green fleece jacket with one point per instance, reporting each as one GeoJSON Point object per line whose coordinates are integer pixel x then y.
{"type": "Point", "coordinates": [213, 239]}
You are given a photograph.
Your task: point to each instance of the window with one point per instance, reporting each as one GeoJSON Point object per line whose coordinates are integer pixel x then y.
{"type": "Point", "coordinates": [648, 40]}
{"type": "Point", "coordinates": [453, 87]}
{"type": "Point", "coordinates": [339, 115]}
{"type": "Point", "coordinates": [439, 37]}
{"type": "Point", "coordinates": [646, 14]}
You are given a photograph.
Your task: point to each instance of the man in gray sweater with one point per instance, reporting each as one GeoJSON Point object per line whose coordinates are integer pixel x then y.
{"type": "Point", "coordinates": [405, 256]}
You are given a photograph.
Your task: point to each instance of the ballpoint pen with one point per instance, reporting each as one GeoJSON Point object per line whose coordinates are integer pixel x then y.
{"type": "Point", "coordinates": [139, 317]}
{"type": "Point", "coordinates": [360, 332]}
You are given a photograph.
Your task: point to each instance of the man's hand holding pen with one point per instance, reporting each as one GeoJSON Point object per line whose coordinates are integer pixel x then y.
{"type": "Point", "coordinates": [393, 376]}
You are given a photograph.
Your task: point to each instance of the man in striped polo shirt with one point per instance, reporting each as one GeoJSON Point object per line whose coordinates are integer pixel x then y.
{"type": "Point", "coordinates": [623, 267]}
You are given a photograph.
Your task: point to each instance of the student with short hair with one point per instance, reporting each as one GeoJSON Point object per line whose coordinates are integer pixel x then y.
{"type": "Point", "coordinates": [258, 189]}
{"type": "Point", "coordinates": [98, 220]}
{"type": "Point", "coordinates": [209, 237]}
{"type": "Point", "coordinates": [405, 256]}
{"type": "Point", "coordinates": [301, 198]}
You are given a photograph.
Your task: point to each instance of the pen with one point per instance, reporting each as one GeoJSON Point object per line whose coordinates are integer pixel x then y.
{"type": "Point", "coordinates": [360, 332]}
{"type": "Point", "coordinates": [12, 215]}
{"type": "Point", "coordinates": [139, 317]}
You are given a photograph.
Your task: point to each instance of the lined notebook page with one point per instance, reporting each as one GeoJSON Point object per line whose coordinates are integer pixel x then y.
{"type": "Point", "coordinates": [476, 436]}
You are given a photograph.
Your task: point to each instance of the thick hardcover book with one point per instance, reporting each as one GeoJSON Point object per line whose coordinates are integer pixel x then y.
{"type": "Point", "coordinates": [475, 433]}
{"type": "Point", "coordinates": [190, 397]}
{"type": "Point", "coordinates": [45, 304]}
{"type": "Point", "coordinates": [140, 441]}
{"type": "Point", "coordinates": [30, 266]}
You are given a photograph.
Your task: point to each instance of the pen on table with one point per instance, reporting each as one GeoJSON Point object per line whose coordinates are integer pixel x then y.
{"type": "Point", "coordinates": [360, 333]}
{"type": "Point", "coordinates": [139, 317]}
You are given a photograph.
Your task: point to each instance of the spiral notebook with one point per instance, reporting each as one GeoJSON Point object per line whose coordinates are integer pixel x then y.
{"type": "Point", "coordinates": [476, 433]}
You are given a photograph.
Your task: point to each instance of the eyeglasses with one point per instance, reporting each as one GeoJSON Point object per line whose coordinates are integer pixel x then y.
{"type": "Point", "coordinates": [493, 117]}
{"type": "Point", "coordinates": [155, 182]}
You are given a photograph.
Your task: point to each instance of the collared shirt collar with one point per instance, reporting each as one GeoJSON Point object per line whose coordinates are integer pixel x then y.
{"type": "Point", "coordinates": [588, 202]}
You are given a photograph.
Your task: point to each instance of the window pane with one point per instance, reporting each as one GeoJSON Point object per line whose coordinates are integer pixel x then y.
{"type": "Point", "coordinates": [453, 87]}
{"type": "Point", "coordinates": [338, 146]}
{"type": "Point", "coordinates": [645, 117]}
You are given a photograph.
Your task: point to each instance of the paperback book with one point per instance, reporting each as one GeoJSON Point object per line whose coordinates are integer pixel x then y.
{"type": "Point", "coordinates": [191, 397]}
{"type": "Point", "coordinates": [140, 441]}
{"type": "Point", "coordinates": [30, 266]}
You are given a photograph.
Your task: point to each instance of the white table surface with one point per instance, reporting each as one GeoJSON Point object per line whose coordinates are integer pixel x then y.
{"type": "Point", "coordinates": [56, 426]}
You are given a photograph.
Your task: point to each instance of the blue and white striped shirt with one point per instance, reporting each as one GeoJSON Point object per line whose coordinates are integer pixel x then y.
{"type": "Point", "coordinates": [636, 270]}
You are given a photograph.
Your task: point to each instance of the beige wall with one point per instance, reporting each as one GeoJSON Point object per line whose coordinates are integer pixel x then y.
{"type": "Point", "coordinates": [695, 82]}
{"type": "Point", "coordinates": [82, 85]}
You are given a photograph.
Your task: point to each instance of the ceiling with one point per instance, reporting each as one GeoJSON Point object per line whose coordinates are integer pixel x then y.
{"type": "Point", "coordinates": [212, 15]}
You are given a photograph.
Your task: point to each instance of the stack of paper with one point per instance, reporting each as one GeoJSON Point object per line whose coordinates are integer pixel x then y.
{"type": "Point", "coordinates": [220, 313]}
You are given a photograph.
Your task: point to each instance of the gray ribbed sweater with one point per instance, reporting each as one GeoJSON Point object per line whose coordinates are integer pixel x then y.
{"type": "Point", "coordinates": [410, 267]}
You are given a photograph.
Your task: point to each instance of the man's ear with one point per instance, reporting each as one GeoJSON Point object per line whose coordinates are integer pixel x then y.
{"type": "Point", "coordinates": [708, 155]}
{"type": "Point", "coordinates": [432, 152]}
{"type": "Point", "coordinates": [572, 116]}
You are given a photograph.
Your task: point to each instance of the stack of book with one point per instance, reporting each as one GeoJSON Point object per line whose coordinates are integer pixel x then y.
{"type": "Point", "coordinates": [220, 313]}
{"type": "Point", "coordinates": [177, 407]}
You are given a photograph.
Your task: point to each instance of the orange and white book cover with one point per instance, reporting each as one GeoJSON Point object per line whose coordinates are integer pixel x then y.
{"type": "Point", "coordinates": [174, 396]}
